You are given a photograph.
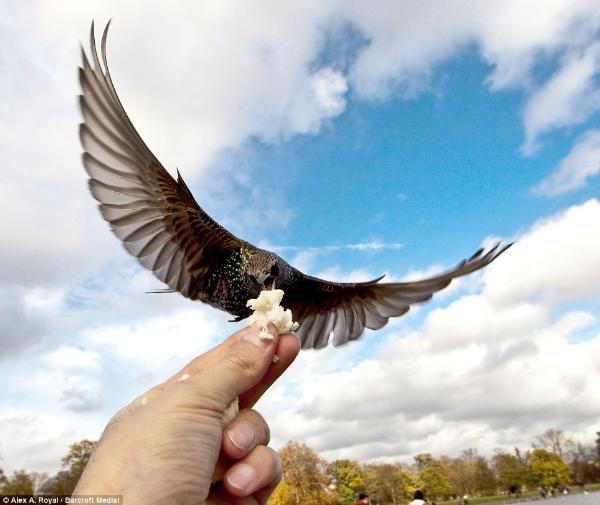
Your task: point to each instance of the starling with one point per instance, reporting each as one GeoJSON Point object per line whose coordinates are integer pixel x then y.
{"type": "Point", "coordinates": [161, 224]}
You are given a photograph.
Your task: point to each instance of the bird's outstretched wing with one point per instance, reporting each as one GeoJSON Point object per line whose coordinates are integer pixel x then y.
{"type": "Point", "coordinates": [346, 309]}
{"type": "Point", "coordinates": [155, 216]}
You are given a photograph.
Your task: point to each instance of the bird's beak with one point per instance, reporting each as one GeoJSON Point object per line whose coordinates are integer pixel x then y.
{"type": "Point", "coordinates": [266, 281]}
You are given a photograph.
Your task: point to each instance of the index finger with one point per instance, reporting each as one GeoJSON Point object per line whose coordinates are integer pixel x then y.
{"type": "Point", "coordinates": [288, 348]}
{"type": "Point", "coordinates": [207, 359]}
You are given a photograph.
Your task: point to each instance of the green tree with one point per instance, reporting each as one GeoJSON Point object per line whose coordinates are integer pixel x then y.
{"type": "Point", "coordinates": [348, 479]}
{"type": "Point", "coordinates": [510, 470]}
{"type": "Point", "coordinates": [19, 483]}
{"type": "Point", "coordinates": [78, 456]}
{"type": "Point", "coordinates": [453, 468]}
{"type": "Point", "coordinates": [583, 465]}
{"type": "Point", "coordinates": [480, 477]}
{"type": "Point", "coordinates": [74, 462]}
{"type": "Point", "coordinates": [548, 468]}
{"type": "Point", "coordinates": [389, 484]}
{"type": "Point", "coordinates": [485, 478]}
{"type": "Point", "coordinates": [470, 474]}
{"type": "Point", "coordinates": [304, 476]}
{"type": "Point", "coordinates": [432, 476]}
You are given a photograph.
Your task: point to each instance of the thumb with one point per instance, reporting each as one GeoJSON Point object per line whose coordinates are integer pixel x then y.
{"type": "Point", "coordinates": [243, 365]}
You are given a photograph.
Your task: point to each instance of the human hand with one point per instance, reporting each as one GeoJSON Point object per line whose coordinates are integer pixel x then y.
{"type": "Point", "coordinates": [164, 446]}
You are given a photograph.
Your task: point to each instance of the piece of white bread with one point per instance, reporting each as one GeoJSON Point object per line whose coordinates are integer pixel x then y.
{"type": "Point", "coordinates": [267, 309]}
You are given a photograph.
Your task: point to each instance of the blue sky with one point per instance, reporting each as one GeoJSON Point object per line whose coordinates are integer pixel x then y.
{"type": "Point", "coordinates": [356, 141]}
{"type": "Point", "coordinates": [437, 173]}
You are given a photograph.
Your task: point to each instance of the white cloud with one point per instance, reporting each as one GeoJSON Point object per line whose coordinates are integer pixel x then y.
{"type": "Point", "coordinates": [221, 91]}
{"type": "Point", "coordinates": [492, 369]}
{"type": "Point", "coordinates": [569, 97]}
{"type": "Point", "coordinates": [158, 341]}
{"type": "Point", "coordinates": [50, 221]}
{"type": "Point", "coordinates": [405, 41]}
{"type": "Point", "coordinates": [26, 316]}
{"type": "Point", "coordinates": [336, 274]}
{"type": "Point", "coordinates": [67, 357]}
{"type": "Point", "coordinates": [516, 35]}
{"type": "Point", "coordinates": [325, 99]}
{"type": "Point", "coordinates": [207, 91]}
{"type": "Point", "coordinates": [70, 392]}
{"type": "Point", "coordinates": [36, 439]}
{"type": "Point", "coordinates": [206, 78]}
{"type": "Point", "coordinates": [304, 261]}
{"type": "Point", "coordinates": [373, 245]}
{"type": "Point", "coordinates": [555, 262]}
{"type": "Point", "coordinates": [582, 162]}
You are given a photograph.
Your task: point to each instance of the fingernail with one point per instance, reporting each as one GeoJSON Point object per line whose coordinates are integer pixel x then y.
{"type": "Point", "coordinates": [241, 476]}
{"type": "Point", "coordinates": [257, 336]}
{"type": "Point", "coordinates": [242, 436]}
{"type": "Point", "coordinates": [272, 329]}
{"type": "Point", "coordinates": [252, 335]}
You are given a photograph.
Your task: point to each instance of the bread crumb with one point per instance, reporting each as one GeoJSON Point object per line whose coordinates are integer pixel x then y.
{"type": "Point", "coordinates": [184, 377]}
{"type": "Point", "coordinates": [267, 309]}
{"type": "Point", "coordinates": [144, 402]}
{"type": "Point", "coordinates": [231, 411]}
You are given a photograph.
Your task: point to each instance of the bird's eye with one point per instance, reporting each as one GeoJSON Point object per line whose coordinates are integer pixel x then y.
{"type": "Point", "coordinates": [275, 270]}
{"type": "Point", "coordinates": [253, 279]}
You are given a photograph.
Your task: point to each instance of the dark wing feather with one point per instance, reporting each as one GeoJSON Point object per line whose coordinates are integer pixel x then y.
{"type": "Point", "coordinates": [155, 216]}
{"type": "Point", "coordinates": [346, 309]}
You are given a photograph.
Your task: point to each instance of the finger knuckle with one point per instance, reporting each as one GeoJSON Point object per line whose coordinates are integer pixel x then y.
{"type": "Point", "coordinates": [270, 457]}
{"type": "Point", "coordinates": [276, 468]}
{"type": "Point", "coordinates": [260, 426]}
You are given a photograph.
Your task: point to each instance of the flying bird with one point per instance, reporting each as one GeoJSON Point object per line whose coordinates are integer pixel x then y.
{"type": "Point", "coordinates": [161, 224]}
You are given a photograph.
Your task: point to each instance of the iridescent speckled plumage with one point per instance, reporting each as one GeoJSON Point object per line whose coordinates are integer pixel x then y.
{"type": "Point", "coordinates": [161, 224]}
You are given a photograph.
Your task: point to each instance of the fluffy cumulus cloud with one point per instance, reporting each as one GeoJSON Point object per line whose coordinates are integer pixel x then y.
{"type": "Point", "coordinates": [574, 170]}
{"type": "Point", "coordinates": [67, 393]}
{"type": "Point", "coordinates": [491, 369]}
{"type": "Point", "coordinates": [205, 80]}
{"type": "Point", "coordinates": [209, 76]}
{"type": "Point", "coordinates": [514, 36]}
{"type": "Point", "coordinates": [569, 97]}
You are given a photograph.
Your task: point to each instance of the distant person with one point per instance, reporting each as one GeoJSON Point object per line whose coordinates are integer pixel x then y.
{"type": "Point", "coordinates": [418, 498]}
{"type": "Point", "coordinates": [363, 499]}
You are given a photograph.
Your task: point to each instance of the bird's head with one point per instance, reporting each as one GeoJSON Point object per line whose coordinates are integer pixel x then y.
{"type": "Point", "coordinates": [263, 273]}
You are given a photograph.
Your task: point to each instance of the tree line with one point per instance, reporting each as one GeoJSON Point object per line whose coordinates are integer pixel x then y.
{"type": "Point", "coordinates": [24, 483]}
{"type": "Point", "coordinates": [554, 461]}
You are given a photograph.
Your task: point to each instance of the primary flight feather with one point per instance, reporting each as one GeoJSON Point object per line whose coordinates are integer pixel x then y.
{"type": "Point", "coordinates": [161, 224]}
